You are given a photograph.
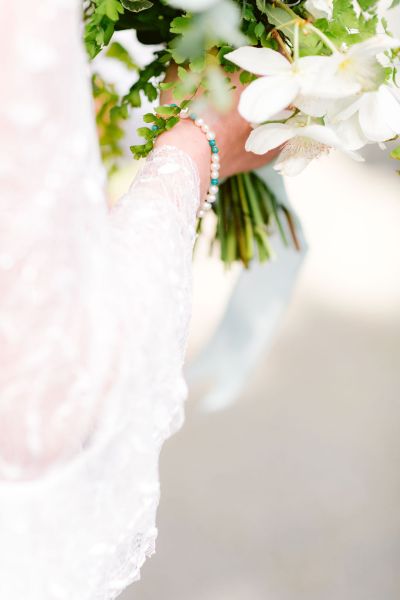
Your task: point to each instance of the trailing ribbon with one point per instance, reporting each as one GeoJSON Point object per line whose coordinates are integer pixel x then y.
{"type": "Point", "coordinates": [251, 319]}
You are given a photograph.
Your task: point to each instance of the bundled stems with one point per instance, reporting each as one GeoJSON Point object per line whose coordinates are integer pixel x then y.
{"type": "Point", "coordinates": [248, 213]}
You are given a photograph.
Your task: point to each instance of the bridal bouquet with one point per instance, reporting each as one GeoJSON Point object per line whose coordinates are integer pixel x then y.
{"type": "Point", "coordinates": [319, 74]}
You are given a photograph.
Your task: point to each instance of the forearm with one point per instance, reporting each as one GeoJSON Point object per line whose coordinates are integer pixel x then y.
{"type": "Point", "coordinates": [190, 139]}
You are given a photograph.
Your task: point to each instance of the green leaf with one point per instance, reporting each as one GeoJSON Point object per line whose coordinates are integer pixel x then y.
{"type": "Point", "coordinates": [149, 118]}
{"type": "Point", "coordinates": [108, 33]}
{"type": "Point", "coordinates": [182, 73]}
{"type": "Point", "coordinates": [164, 57]}
{"type": "Point", "coordinates": [368, 5]}
{"type": "Point", "coordinates": [167, 110]}
{"type": "Point", "coordinates": [150, 91]}
{"type": "Point", "coordinates": [197, 65]}
{"type": "Point", "coordinates": [170, 123]}
{"type": "Point", "coordinates": [167, 86]}
{"type": "Point", "coordinates": [259, 29]}
{"type": "Point", "coordinates": [145, 132]}
{"type": "Point", "coordinates": [119, 112]}
{"type": "Point", "coordinates": [133, 98]}
{"type": "Point", "coordinates": [136, 5]}
{"type": "Point", "coordinates": [280, 19]}
{"type": "Point", "coordinates": [110, 8]}
{"type": "Point", "coordinates": [250, 34]}
{"type": "Point", "coordinates": [346, 26]}
{"type": "Point", "coordinates": [180, 24]}
{"type": "Point", "coordinates": [117, 51]}
{"type": "Point", "coordinates": [141, 150]}
{"type": "Point", "coordinates": [246, 77]}
{"type": "Point", "coordinates": [228, 66]}
{"type": "Point", "coordinates": [248, 13]}
{"type": "Point", "coordinates": [262, 6]}
{"type": "Point", "coordinates": [396, 153]}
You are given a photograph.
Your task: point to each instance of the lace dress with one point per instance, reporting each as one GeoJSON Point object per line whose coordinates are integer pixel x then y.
{"type": "Point", "coordinates": [94, 311]}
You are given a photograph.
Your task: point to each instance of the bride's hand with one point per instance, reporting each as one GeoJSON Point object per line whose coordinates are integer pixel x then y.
{"type": "Point", "coordinates": [231, 132]}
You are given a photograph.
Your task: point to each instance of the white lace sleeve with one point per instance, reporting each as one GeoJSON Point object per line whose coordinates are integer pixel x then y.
{"type": "Point", "coordinates": [94, 308]}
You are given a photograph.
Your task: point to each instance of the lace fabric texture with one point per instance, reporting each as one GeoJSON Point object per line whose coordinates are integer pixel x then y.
{"type": "Point", "coordinates": [94, 312]}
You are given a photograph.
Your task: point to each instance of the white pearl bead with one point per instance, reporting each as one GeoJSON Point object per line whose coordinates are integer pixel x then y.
{"type": "Point", "coordinates": [206, 206]}
{"type": "Point", "coordinates": [214, 189]}
{"type": "Point", "coordinates": [200, 213]}
{"type": "Point", "coordinates": [211, 198]}
{"type": "Point", "coordinates": [205, 129]}
{"type": "Point", "coordinates": [214, 167]}
{"type": "Point", "coordinates": [215, 158]}
{"type": "Point", "coordinates": [199, 122]}
{"type": "Point", "coordinates": [210, 135]}
{"type": "Point", "coordinates": [214, 174]}
{"type": "Point", "coordinates": [184, 113]}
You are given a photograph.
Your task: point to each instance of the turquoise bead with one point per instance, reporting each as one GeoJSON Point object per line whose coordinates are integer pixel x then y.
{"type": "Point", "coordinates": [214, 181]}
{"type": "Point", "coordinates": [212, 142]}
{"type": "Point", "coordinates": [154, 127]}
{"type": "Point", "coordinates": [193, 117]}
{"type": "Point", "coordinates": [214, 149]}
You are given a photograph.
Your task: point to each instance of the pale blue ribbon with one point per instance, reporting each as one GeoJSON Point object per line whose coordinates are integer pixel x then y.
{"type": "Point", "coordinates": [251, 318]}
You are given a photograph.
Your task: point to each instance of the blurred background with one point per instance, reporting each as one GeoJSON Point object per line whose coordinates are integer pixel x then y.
{"type": "Point", "coordinates": [293, 491]}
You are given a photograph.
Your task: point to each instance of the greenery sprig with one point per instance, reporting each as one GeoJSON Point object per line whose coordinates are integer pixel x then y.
{"type": "Point", "coordinates": [246, 210]}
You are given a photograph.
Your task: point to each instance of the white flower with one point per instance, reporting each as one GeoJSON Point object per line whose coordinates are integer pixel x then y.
{"type": "Point", "coordinates": [280, 85]}
{"type": "Point", "coordinates": [320, 9]}
{"type": "Point", "coordinates": [303, 141]}
{"type": "Point", "coordinates": [353, 71]}
{"type": "Point", "coordinates": [373, 116]}
{"type": "Point", "coordinates": [349, 132]}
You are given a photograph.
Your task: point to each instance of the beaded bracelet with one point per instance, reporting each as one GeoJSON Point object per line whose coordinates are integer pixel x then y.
{"type": "Point", "coordinates": [214, 181]}
{"type": "Point", "coordinates": [215, 162]}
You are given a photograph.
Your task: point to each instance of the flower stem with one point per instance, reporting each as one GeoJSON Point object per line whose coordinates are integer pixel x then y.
{"type": "Point", "coordinates": [296, 47]}
{"type": "Point", "coordinates": [286, 8]}
{"type": "Point", "coordinates": [322, 36]}
{"type": "Point", "coordinates": [307, 25]}
{"type": "Point", "coordinates": [243, 223]}
{"type": "Point", "coordinates": [282, 45]}
{"type": "Point", "coordinates": [259, 223]}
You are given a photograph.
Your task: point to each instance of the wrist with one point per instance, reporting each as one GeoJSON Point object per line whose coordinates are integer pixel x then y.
{"type": "Point", "coordinates": [190, 139]}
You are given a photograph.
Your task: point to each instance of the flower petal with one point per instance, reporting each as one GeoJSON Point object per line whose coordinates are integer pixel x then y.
{"type": "Point", "coordinates": [315, 107]}
{"type": "Point", "coordinates": [261, 61]}
{"type": "Point", "coordinates": [267, 137]}
{"type": "Point", "coordinates": [374, 45]}
{"type": "Point", "coordinates": [380, 115]}
{"type": "Point", "coordinates": [322, 134]}
{"type": "Point", "coordinates": [327, 136]}
{"type": "Point", "coordinates": [350, 133]}
{"type": "Point", "coordinates": [320, 9]}
{"type": "Point", "coordinates": [347, 109]}
{"type": "Point", "coordinates": [391, 104]}
{"type": "Point", "coordinates": [292, 166]}
{"type": "Point", "coordinates": [322, 77]}
{"type": "Point", "coordinates": [267, 96]}
{"type": "Point", "coordinates": [354, 155]}
{"type": "Point", "coordinates": [283, 115]}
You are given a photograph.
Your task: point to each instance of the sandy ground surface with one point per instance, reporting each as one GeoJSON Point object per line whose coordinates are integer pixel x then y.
{"type": "Point", "coordinates": [293, 493]}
